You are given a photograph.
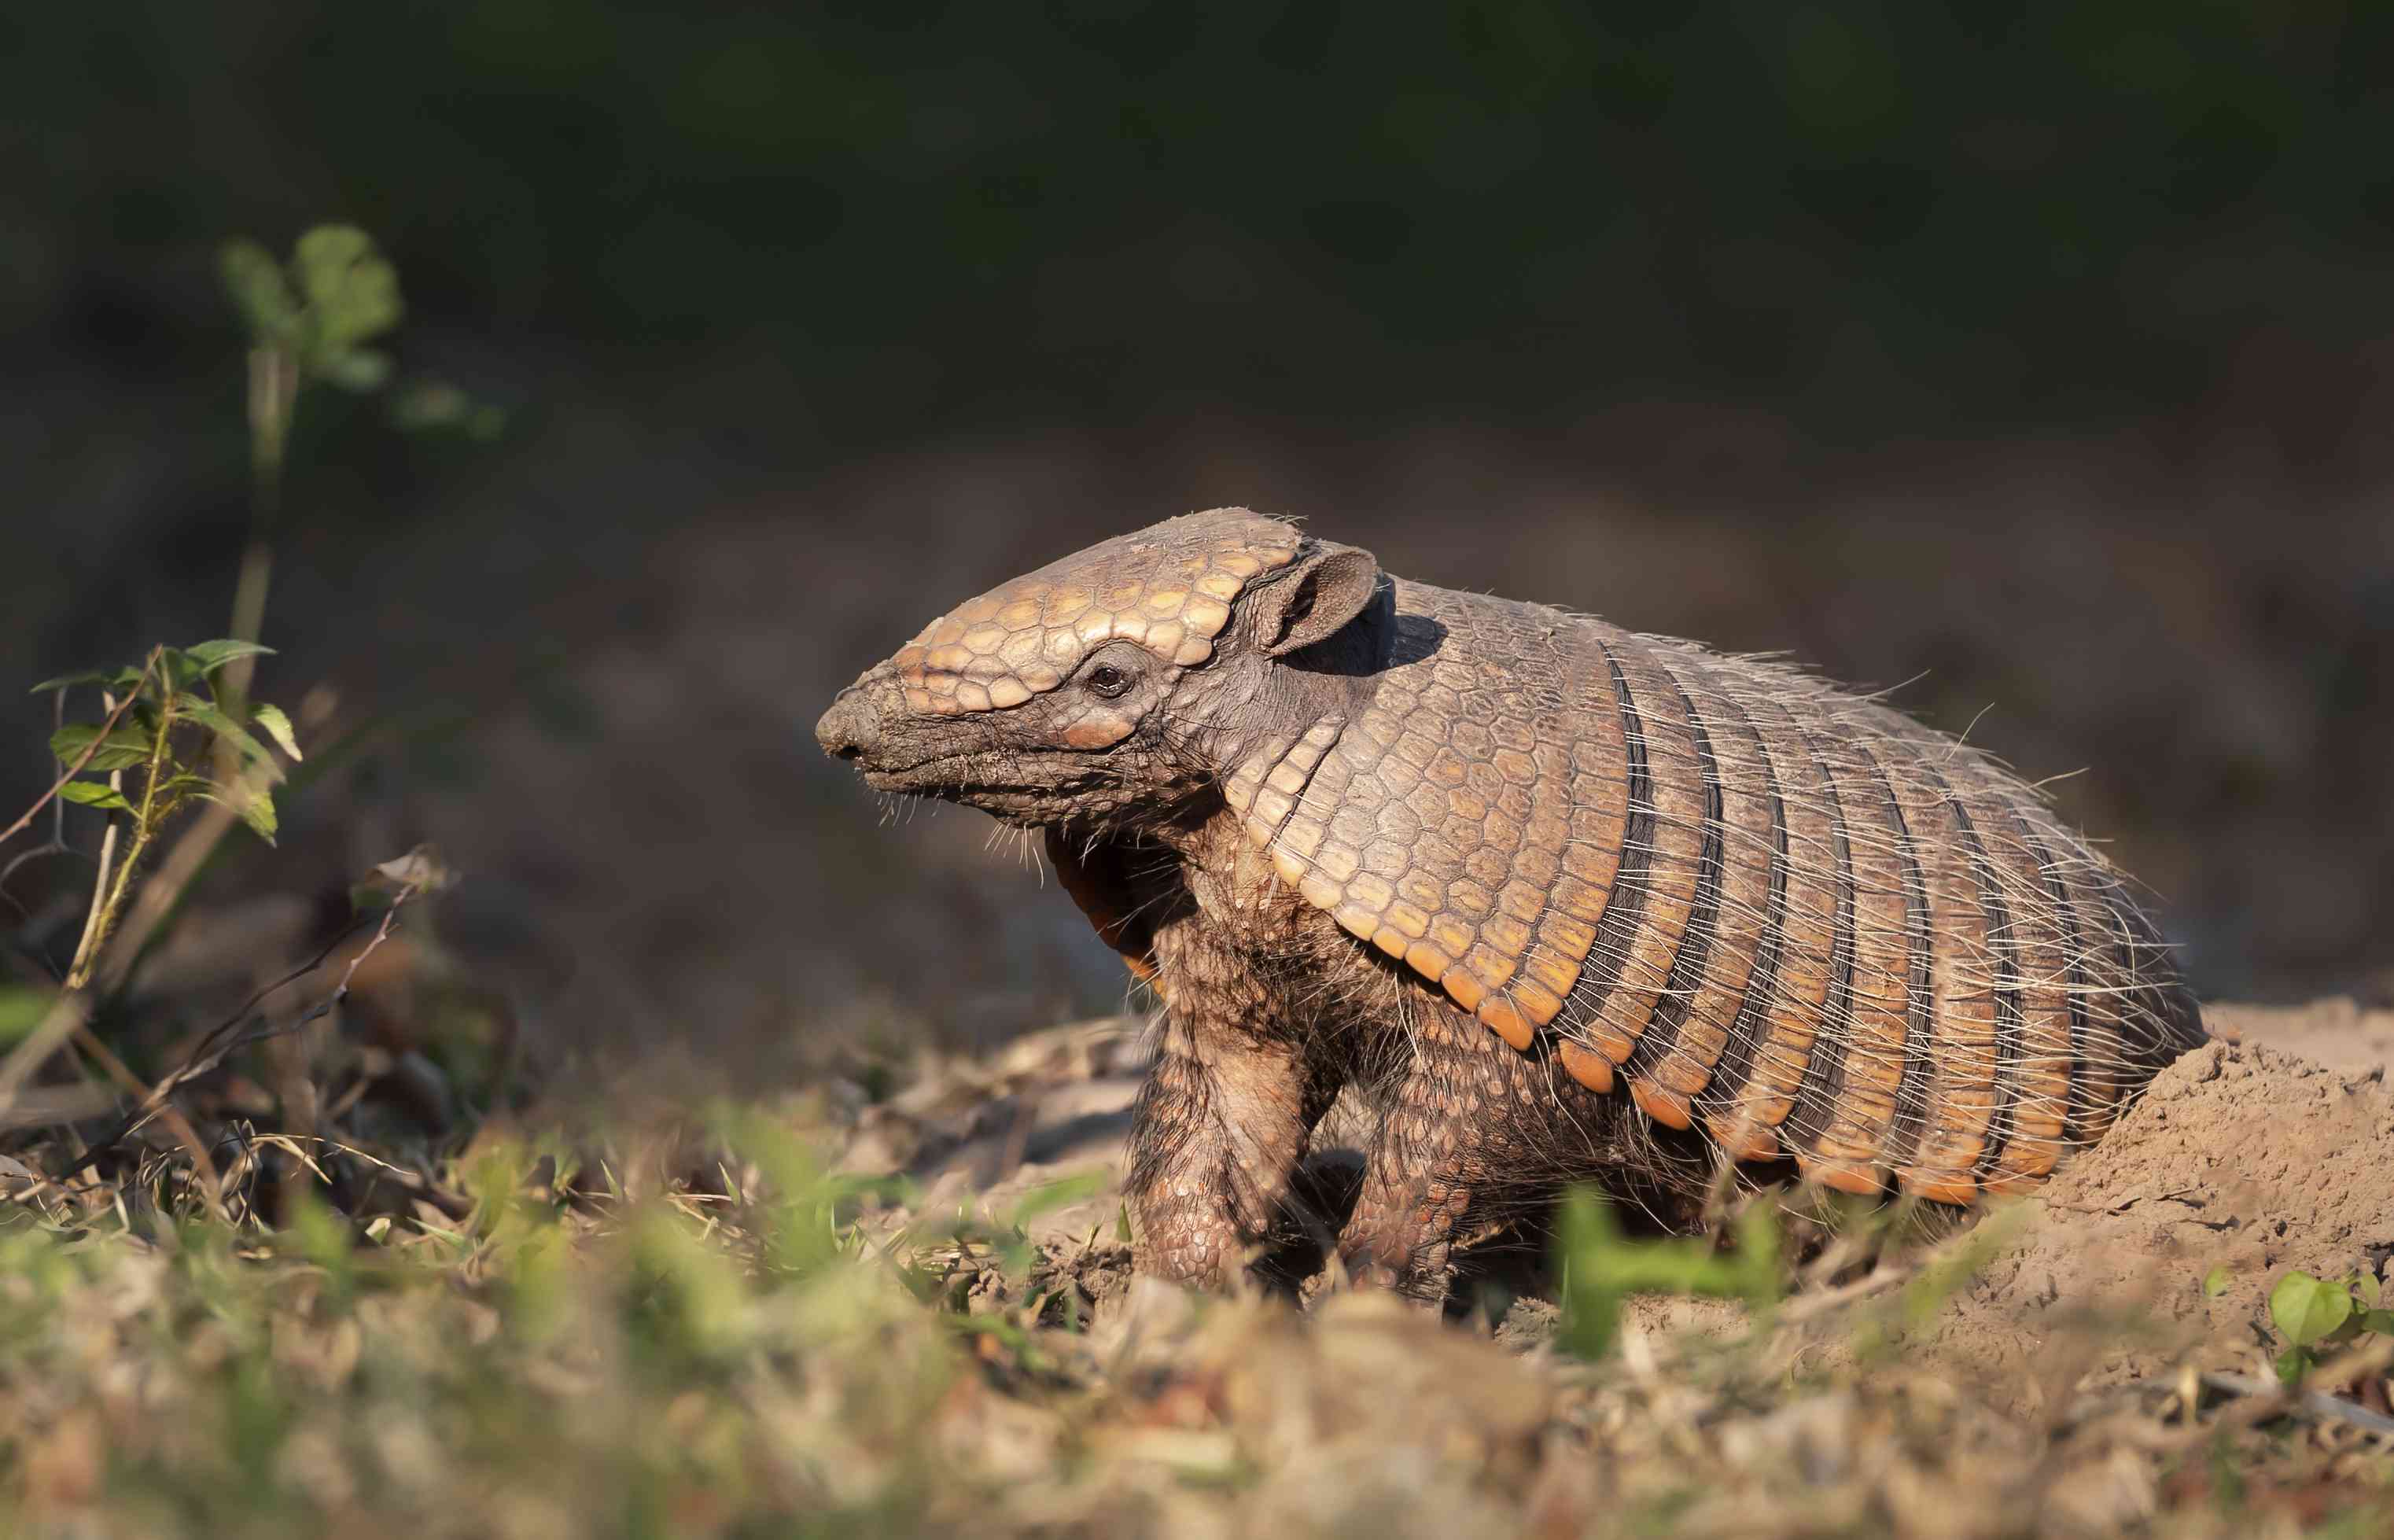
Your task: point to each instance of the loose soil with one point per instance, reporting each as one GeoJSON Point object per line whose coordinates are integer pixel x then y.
{"type": "Point", "coordinates": [2268, 1149]}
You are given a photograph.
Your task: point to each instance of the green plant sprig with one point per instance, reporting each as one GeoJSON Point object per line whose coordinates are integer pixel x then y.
{"type": "Point", "coordinates": [166, 720]}
{"type": "Point", "coordinates": [2319, 1314]}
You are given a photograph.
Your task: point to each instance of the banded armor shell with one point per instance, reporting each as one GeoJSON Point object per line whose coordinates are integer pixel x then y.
{"type": "Point", "coordinates": [1781, 914]}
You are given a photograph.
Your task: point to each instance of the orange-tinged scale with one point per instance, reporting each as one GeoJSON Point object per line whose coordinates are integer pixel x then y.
{"type": "Point", "coordinates": [1453, 936]}
{"type": "Point", "coordinates": [1961, 1092]}
{"type": "Point", "coordinates": [1301, 835]}
{"type": "Point", "coordinates": [1945, 1188]}
{"type": "Point", "coordinates": [1357, 920]}
{"type": "Point", "coordinates": [1096, 733]}
{"type": "Point", "coordinates": [1591, 1069]}
{"type": "Point", "coordinates": [1206, 616]}
{"type": "Point", "coordinates": [1505, 1018]}
{"type": "Point", "coordinates": [984, 637]}
{"type": "Point", "coordinates": [1316, 890]}
{"type": "Point", "coordinates": [1504, 934]}
{"type": "Point", "coordinates": [1289, 775]}
{"type": "Point", "coordinates": [2011, 1184]}
{"type": "Point", "coordinates": [1800, 991]}
{"type": "Point", "coordinates": [2040, 977]}
{"type": "Point", "coordinates": [1552, 973]}
{"type": "Point", "coordinates": [1008, 692]}
{"type": "Point", "coordinates": [1881, 986]}
{"type": "Point", "coordinates": [1493, 968]}
{"type": "Point", "coordinates": [1520, 900]}
{"type": "Point", "coordinates": [1166, 603]}
{"type": "Point", "coordinates": [1463, 985]}
{"type": "Point", "coordinates": [1744, 1138]}
{"type": "Point", "coordinates": [1021, 649]}
{"type": "Point", "coordinates": [1563, 932]}
{"type": "Point", "coordinates": [1339, 860]}
{"type": "Point", "coordinates": [1391, 940]}
{"type": "Point", "coordinates": [1066, 603]}
{"type": "Point", "coordinates": [1663, 1105]}
{"type": "Point", "coordinates": [1424, 958]}
{"type": "Point", "coordinates": [1536, 1002]}
{"type": "Point", "coordinates": [1844, 1176]}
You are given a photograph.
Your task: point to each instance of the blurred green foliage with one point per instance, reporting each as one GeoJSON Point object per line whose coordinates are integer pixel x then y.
{"type": "Point", "coordinates": [1910, 212]}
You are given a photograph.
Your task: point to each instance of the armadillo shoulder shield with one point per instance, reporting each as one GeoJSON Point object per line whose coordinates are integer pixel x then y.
{"type": "Point", "coordinates": [1472, 818]}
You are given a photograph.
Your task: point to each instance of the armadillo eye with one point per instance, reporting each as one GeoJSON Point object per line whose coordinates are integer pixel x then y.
{"type": "Point", "coordinates": [1107, 680]}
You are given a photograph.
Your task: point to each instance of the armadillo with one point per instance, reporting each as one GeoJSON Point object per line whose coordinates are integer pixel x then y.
{"type": "Point", "coordinates": [1559, 902]}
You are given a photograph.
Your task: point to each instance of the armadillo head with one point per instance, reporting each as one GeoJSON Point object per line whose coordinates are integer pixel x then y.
{"type": "Point", "coordinates": [1110, 685]}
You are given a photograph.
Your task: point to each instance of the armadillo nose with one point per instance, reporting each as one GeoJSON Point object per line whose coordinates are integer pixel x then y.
{"type": "Point", "coordinates": [850, 728]}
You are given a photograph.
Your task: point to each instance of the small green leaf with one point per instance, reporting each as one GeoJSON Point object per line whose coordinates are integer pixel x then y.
{"type": "Point", "coordinates": [213, 655]}
{"type": "Point", "coordinates": [2214, 1282]}
{"type": "Point", "coordinates": [2366, 1286]}
{"type": "Point", "coordinates": [1122, 1223]}
{"type": "Point", "coordinates": [352, 292]}
{"type": "Point", "coordinates": [277, 727]}
{"type": "Point", "coordinates": [21, 1009]}
{"type": "Point", "coordinates": [2380, 1321]}
{"type": "Point", "coordinates": [232, 732]}
{"type": "Point", "coordinates": [180, 668]}
{"type": "Point", "coordinates": [358, 369]}
{"type": "Point", "coordinates": [419, 868]}
{"type": "Point", "coordinates": [91, 794]}
{"type": "Point", "coordinates": [122, 749]}
{"type": "Point", "coordinates": [257, 810]}
{"type": "Point", "coordinates": [89, 675]}
{"type": "Point", "coordinates": [2292, 1365]}
{"type": "Point", "coordinates": [260, 292]}
{"type": "Point", "coordinates": [2307, 1310]}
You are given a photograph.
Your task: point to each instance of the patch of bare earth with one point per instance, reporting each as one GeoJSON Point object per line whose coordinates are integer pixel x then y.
{"type": "Point", "coordinates": [2241, 1162]}
{"type": "Point", "coordinates": [2061, 1368]}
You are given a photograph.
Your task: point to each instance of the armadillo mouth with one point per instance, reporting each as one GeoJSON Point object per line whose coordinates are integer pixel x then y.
{"type": "Point", "coordinates": [1011, 790]}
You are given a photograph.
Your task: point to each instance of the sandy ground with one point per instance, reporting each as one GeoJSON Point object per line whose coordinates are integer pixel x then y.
{"type": "Point", "coordinates": [2272, 1148]}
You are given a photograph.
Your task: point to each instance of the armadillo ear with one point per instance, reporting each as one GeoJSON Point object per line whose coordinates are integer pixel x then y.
{"type": "Point", "coordinates": [1319, 596]}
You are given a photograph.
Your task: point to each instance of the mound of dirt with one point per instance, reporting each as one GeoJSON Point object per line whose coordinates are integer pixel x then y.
{"type": "Point", "coordinates": [2241, 1162]}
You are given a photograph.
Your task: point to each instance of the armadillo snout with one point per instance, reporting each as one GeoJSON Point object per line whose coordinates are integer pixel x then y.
{"type": "Point", "coordinates": [851, 729]}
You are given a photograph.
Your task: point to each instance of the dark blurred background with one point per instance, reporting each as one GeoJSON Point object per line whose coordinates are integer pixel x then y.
{"type": "Point", "coordinates": [2039, 359]}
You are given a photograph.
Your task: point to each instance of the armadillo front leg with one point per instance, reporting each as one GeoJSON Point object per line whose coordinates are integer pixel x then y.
{"type": "Point", "coordinates": [1465, 1120]}
{"type": "Point", "coordinates": [1215, 1138]}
